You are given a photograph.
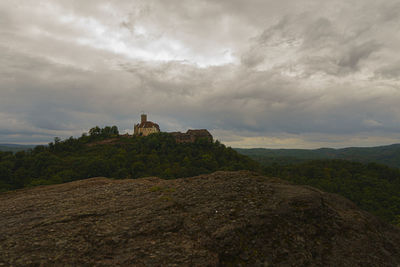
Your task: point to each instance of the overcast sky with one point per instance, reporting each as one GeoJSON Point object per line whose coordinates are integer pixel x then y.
{"type": "Point", "coordinates": [259, 73]}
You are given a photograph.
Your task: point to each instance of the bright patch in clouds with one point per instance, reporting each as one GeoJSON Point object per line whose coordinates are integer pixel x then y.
{"type": "Point", "coordinates": [138, 43]}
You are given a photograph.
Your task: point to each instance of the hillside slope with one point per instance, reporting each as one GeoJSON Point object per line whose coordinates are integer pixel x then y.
{"type": "Point", "coordinates": [217, 219]}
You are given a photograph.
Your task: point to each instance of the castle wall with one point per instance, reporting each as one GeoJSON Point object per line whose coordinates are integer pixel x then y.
{"type": "Point", "coordinates": [191, 136]}
{"type": "Point", "coordinates": [147, 131]}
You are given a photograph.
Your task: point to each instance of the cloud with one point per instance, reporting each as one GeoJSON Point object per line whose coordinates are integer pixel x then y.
{"type": "Point", "coordinates": [259, 73]}
{"type": "Point", "coordinates": [371, 123]}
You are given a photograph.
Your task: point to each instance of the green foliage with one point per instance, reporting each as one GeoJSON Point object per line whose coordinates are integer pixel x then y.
{"type": "Point", "coordinates": [373, 187]}
{"type": "Point", "coordinates": [397, 220]}
{"type": "Point", "coordinates": [103, 152]}
{"type": "Point", "coordinates": [106, 132]}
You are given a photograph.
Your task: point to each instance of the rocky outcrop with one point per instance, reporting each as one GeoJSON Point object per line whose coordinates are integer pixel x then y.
{"type": "Point", "coordinates": [225, 218]}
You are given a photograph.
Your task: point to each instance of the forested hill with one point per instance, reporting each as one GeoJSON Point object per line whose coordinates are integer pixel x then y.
{"type": "Point", "coordinates": [388, 155]}
{"type": "Point", "coordinates": [105, 153]}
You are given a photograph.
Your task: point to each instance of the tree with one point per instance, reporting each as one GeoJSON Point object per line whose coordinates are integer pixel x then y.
{"type": "Point", "coordinates": [114, 130]}
{"type": "Point", "coordinates": [95, 131]}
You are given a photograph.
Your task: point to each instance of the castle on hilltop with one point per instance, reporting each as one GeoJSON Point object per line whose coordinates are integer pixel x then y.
{"type": "Point", "coordinates": [146, 127]}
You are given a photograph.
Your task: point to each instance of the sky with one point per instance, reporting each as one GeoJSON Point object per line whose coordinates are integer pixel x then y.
{"type": "Point", "coordinates": [255, 73]}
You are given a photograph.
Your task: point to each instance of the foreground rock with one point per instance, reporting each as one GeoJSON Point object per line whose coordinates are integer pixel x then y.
{"type": "Point", "coordinates": [226, 218]}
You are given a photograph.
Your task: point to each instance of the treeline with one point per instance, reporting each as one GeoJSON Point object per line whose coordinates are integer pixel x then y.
{"type": "Point", "coordinates": [103, 152]}
{"type": "Point", "coordinates": [373, 187]}
{"type": "Point", "coordinates": [388, 155]}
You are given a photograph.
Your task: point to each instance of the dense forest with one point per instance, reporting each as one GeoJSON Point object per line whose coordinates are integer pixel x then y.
{"type": "Point", "coordinates": [373, 187]}
{"type": "Point", "coordinates": [103, 152]}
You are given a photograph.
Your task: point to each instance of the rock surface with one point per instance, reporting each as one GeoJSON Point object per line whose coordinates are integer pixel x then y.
{"type": "Point", "coordinates": [225, 218]}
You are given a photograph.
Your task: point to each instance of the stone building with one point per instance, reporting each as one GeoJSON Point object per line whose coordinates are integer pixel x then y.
{"type": "Point", "coordinates": [192, 135]}
{"type": "Point", "coordinates": [145, 127]}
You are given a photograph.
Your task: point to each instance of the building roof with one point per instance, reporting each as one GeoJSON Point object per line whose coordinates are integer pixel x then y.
{"type": "Point", "coordinates": [148, 124]}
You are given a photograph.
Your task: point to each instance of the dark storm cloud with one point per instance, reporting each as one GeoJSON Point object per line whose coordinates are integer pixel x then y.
{"type": "Point", "coordinates": [258, 73]}
{"type": "Point", "coordinates": [352, 58]}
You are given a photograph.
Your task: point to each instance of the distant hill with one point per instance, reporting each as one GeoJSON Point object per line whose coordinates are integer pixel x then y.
{"type": "Point", "coordinates": [388, 155]}
{"type": "Point", "coordinates": [15, 147]}
{"type": "Point", "coordinates": [219, 219]}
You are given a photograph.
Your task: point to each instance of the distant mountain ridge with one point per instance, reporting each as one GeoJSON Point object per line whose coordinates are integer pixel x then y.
{"type": "Point", "coordinates": [15, 147]}
{"type": "Point", "coordinates": [388, 155]}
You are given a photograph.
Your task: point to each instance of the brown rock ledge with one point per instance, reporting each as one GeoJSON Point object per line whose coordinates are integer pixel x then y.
{"type": "Point", "coordinates": [225, 218]}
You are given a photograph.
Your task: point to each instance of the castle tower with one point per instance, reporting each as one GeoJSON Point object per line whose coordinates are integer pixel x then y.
{"type": "Point", "coordinates": [143, 118]}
